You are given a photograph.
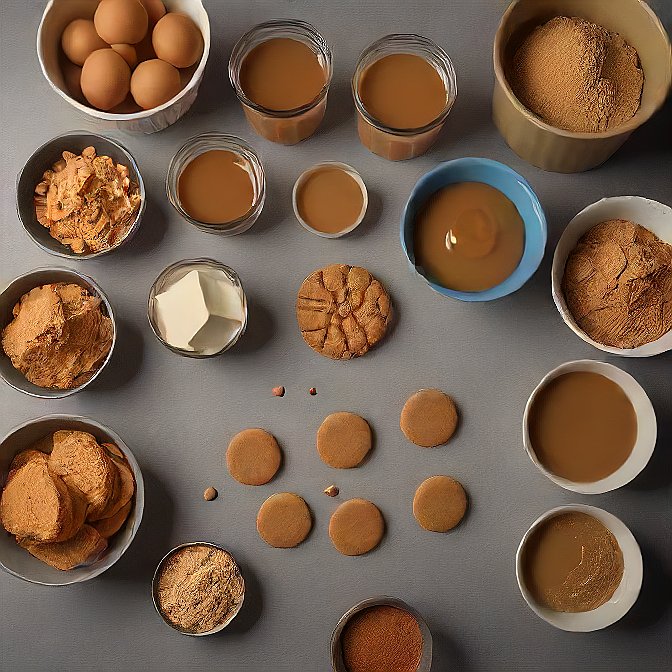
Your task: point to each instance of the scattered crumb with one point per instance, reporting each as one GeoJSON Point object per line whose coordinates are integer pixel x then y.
{"type": "Point", "coordinates": [331, 491]}
{"type": "Point", "coordinates": [278, 391]}
{"type": "Point", "coordinates": [210, 494]}
{"type": "Point", "coordinates": [313, 391]}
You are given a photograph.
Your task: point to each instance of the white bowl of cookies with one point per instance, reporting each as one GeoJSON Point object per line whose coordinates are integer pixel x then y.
{"type": "Point", "coordinates": [72, 499]}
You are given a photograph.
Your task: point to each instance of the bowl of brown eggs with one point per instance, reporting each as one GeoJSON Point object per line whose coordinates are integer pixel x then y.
{"type": "Point", "coordinates": [135, 65]}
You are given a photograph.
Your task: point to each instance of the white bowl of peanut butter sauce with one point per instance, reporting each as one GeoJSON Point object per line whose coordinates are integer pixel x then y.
{"type": "Point", "coordinates": [643, 430]}
{"type": "Point", "coordinates": [652, 215]}
{"type": "Point", "coordinates": [624, 596]}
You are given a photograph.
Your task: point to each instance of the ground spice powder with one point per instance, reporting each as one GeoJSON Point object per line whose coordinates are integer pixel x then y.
{"type": "Point", "coordinates": [577, 76]}
{"type": "Point", "coordinates": [382, 639]}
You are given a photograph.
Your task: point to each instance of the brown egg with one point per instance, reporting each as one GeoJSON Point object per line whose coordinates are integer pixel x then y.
{"type": "Point", "coordinates": [121, 21]}
{"type": "Point", "coordinates": [106, 79]}
{"type": "Point", "coordinates": [177, 40]}
{"type": "Point", "coordinates": [154, 83]}
{"type": "Point", "coordinates": [72, 75]}
{"type": "Point", "coordinates": [155, 10]}
{"type": "Point", "coordinates": [128, 53]}
{"type": "Point", "coordinates": [79, 39]}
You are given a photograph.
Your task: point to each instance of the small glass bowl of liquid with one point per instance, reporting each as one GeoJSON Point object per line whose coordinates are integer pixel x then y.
{"type": "Point", "coordinates": [404, 87]}
{"type": "Point", "coordinates": [281, 71]}
{"type": "Point", "coordinates": [217, 183]}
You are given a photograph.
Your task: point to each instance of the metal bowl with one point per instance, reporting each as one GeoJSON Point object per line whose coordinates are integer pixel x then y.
{"type": "Point", "coordinates": [19, 562]}
{"type": "Point", "coordinates": [42, 159]}
{"type": "Point", "coordinates": [155, 586]}
{"type": "Point", "coordinates": [10, 297]}
{"type": "Point", "coordinates": [337, 663]}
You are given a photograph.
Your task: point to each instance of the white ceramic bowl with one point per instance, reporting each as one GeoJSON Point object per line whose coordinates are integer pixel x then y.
{"type": "Point", "coordinates": [355, 176]}
{"type": "Point", "coordinates": [647, 429]}
{"type": "Point", "coordinates": [624, 596]}
{"type": "Point", "coordinates": [18, 561]}
{"type": "Point", "coordinates": [655, 216]}
{"type": "Point", "coordinates": [57, 15]}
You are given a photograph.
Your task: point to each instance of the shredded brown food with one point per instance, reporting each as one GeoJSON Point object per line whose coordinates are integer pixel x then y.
{"type": "Point", "coordinates": [87, 201]}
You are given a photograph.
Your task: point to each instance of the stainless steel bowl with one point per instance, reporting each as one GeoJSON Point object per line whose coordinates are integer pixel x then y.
{"type": "Point", "coordinates": [42, 159]}
{"type": "Point", "coordinates": [155, 586]}
{"type": "Point", "coordinates": [19, 562]}
{"type": "Point", "coordinates": [337, 663]}
{"type": "Point", "coordinates": [10, 297]}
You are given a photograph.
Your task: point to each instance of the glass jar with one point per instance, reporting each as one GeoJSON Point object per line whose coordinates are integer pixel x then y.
{"type": "Point", "coordinates": [286, 127]}
{"type": "Point", "coordinates": [397, 144]}
{"type": "Point", "coordinates": [175, 272]}
{"type": "Point", "coordinates": [206, 142]}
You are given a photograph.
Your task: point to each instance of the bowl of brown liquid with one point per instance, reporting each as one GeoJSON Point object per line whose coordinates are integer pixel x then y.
{"type": "Point", "coordinates": [473, 229]}
{"type": "Point", "coordinates": [589, 427]}
{"type": "Point", "coordinates": [579, 568]}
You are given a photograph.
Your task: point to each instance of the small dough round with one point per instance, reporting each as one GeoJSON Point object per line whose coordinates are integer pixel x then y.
{"type": "Point", "coordinates": [284, 520]}
{"type": "Point", "coordinates": [439, 504]}
{"type": "Point", "coordinates": [253, 457]}
{"type": "Point", "coordinates": [429, 418]}
{"type": "Point", "coordinates": [356, 527]}
{"type": "Point", "coordinates": [343, 440]}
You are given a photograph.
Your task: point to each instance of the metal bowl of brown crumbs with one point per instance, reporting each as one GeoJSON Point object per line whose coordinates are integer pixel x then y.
{"type": "Point", "coordinates": [381, 633]}
{"type": "Point", "coordinates": [198, 588]}
{"type": "Point", "coordinates": [80, 196]}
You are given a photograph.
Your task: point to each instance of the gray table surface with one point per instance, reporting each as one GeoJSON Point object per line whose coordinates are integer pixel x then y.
{"type": "Point", "coordinates": [178, 414]}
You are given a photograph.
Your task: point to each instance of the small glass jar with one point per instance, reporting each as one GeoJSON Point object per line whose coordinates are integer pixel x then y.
{"type": "Point", "coordinates": [286, 127]}
{"type": "Point", "coordinates": [175, 272]}
{"type": "Point", "coordinates": [398, 144]}
{"type": "Point", "coordinates": [206, 142]}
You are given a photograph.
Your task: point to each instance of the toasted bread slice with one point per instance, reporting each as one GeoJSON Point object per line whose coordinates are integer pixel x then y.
{"type": "Point", "coordinates": [37, 504]}
{"type": "Point", "coordinates": [108, 527]}
{"type": "Point", "coordinates": [84, 548]}
{"type": "Point", "coordinates": [113, 450]}
{"type": "Point", "coordinates": [24, 457]}
{"type": "Point", "coordinates": [84, 465]}
{"type": "Point", "coordinates": [123, 492]}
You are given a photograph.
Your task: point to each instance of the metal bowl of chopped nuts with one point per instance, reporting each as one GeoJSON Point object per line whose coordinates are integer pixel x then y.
{"type": "Point", "coordinates": [80, 196]}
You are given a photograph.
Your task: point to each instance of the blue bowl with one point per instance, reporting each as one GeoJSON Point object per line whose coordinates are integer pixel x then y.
{"type": "Point", "coordinates": [513, 186]}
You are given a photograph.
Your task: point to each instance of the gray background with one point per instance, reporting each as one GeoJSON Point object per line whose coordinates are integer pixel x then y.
{"type": "Point", "coordinates": [178, 414]}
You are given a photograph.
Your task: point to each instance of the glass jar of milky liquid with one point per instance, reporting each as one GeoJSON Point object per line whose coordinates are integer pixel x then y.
{"type": "Point", "coordinates": [217, 183]}
{"type": "Point", "coordinates": [281, 71]}
{"type": "Point", "coordinates": [404, 87]}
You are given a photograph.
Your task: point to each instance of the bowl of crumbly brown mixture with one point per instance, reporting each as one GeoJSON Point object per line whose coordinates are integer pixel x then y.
{"type": "Point", "coordinates": [57, 332]}
{"type": "Point", "coordinates": [80, 196]}
{"type": "Point", "coordinates": [72, 497]}
{"type": "Point", "coordinates": [612, 276]}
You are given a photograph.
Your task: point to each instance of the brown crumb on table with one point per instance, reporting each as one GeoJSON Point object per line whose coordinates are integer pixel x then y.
{"type": "Point", "coordinates": [278, 391]}
{"type": "Point", "coordinates": [331, 491]}
{"type": "Point", "coordinates": [209, 494]}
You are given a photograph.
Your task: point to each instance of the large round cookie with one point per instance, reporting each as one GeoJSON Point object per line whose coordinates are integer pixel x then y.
{"type": "Point", "coordinates": [343, 440]}
{"type": "Point", "coordinates": [342, 311]}
{"type": "Point", "coordinates": [429, 418]}
{"type": "Point", "coordinates": [356, 527]}
{"type": "Point", "coordinates": [284, 520]}
{"type": "Point", "coordinates": [253, 457]}
{"type": "Point", "coordinates": [439, 503]}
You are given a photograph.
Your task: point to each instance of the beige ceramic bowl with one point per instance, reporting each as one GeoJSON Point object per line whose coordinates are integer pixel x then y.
{"type": "Point", "coordinates": [57, 15]}
{"type": "Point", "coordinates": [562, 151]}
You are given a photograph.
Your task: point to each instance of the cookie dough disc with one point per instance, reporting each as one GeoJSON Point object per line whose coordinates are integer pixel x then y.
{"type": "Point", "coordinates": [253, 457]}
{"type": "Point", "coordinates": [439, 503]}
{"type": "Point", "coordinates": [429, 418]}
{"type": "Point", "coordinates": [284, 520]}
{"type": "Point", "coordinates": [342, 311]}
{"type": "Point", "coordinates": [356, 527]}
{"type": "Point", "coordinates": [343, 440]}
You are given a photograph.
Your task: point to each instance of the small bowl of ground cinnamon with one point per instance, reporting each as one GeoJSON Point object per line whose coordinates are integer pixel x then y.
{"type": "Point", "coordinates": [381, 633]}
{"type": "Point", "coordinates": [198, 588]}
{"type": "Point", "coordinates": [612, 276]}
{"type": "Point", "coordinates": [574, 78]}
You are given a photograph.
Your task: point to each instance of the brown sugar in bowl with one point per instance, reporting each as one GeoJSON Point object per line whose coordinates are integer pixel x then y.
{"type": "Point", "coordinates": [564, 151]}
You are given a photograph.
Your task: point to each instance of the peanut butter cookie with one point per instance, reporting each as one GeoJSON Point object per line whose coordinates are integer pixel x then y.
{"type": "Point", "coordinates": [429, 418]}
{"type": "Point", "coordinates": [82, 549]}
{"type": "Point", "coordinates": [356, 527]}
{"type": "Point", "coordinates": [342, 311]}
{"type": "Point", "coordinates": [253, 457]}
{"type": "Point", "coordinates": [343, 440]}
{"type": "Point", "coordinates": [439, 503]}
{"type": "Point", "coordinates": [284, 520]}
